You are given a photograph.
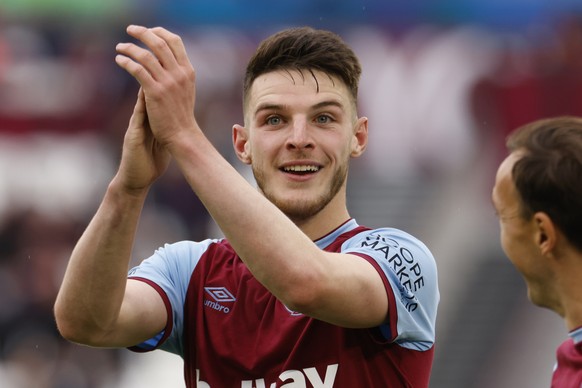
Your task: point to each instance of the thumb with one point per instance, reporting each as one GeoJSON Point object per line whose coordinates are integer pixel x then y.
{"type": "Point", "coordinates": [138, 117]}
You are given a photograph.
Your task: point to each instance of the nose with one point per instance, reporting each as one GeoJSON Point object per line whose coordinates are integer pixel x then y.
{"type": "Point", "coordinates": [300, 136]}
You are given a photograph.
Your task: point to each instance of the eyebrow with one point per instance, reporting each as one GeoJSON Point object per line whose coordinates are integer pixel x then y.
{"type": "Point", "coordinates": [263, 107]}
{"type": "Point", "coordinates": [324, 104]}
{"type": "Point", "coordinates": [319, 105]}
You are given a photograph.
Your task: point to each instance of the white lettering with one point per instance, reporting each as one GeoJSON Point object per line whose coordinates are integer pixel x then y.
{"type": "Point", "coordinates": [216, 306]}
{"type": "Point", "coordinates": [296, 379]}
{"type": "Point", "coordinates": [199, 383]}
{"type": "Point", "coordinates": [315, 380]}
{"type": "Point", "coordinates": [260, 383]}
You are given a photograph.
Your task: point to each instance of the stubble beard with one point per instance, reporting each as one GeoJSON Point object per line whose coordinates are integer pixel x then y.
{"type": "Point", "coordinates": [300, 210]}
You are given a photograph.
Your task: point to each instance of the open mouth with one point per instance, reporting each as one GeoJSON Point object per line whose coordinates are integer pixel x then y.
{"type": "Point", "coordinates": [301, 170]}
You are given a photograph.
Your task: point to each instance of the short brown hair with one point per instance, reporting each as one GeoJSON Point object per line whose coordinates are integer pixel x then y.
{"type": "Point", "coordinates": [305, 49]}
{"type": "Point", "coordinates": [549, 175]}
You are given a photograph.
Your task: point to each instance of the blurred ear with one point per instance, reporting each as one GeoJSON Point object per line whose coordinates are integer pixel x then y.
{"type": "Point", "coordinates": [546, 233]}
{"type": "Point", "coordinates": [242, 147]}
{"type": "Point", "coordinates": [360, 137]}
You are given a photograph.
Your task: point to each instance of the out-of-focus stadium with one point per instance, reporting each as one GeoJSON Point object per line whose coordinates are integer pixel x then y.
{"type": "Point", "coordinates": [444, 82]}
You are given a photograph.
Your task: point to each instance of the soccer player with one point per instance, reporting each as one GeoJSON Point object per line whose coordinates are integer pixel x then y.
{"type": "Point", "coordinates": [297, 294]}
{"type": "Point", "coordinates": [538, 199]}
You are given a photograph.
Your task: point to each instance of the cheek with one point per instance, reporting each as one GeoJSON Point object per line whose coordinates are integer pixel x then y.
{"type": "Point", "coordinates": [506, 244]}
{"type": "Point", "coordinates": [511, 244]}
{"type": "Point", "coordinates": [263, 159]}
{"type": "Point", "coordinates": [256, 150]}
{"type": "Point", "coordinates": [266, 142]}
{"type": "Point", "coordinates": [339, 150]}
{"type": "Point", "coordinates": [520, 250]}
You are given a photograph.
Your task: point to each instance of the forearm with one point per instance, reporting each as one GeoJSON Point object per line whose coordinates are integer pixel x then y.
{"type": "Point", "coordinates": [93, 287]}
{"type": "Point", "coordinates": [261, 234]}
{"type": "Point", "coordinates": [267, 241]}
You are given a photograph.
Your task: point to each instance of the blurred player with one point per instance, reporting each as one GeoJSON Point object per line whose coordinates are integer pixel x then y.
{"type": "Point", "coordinates": [538, 199]}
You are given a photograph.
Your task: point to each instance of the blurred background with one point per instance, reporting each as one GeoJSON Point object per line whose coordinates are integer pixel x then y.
{"type": "Point", "coordinates": [444, 82]}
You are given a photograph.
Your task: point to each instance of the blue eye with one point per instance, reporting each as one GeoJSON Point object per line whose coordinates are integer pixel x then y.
{"type": "Point", "coordinates": [274, 120]}
{"type": "Point", "coordinates": [323, 119]}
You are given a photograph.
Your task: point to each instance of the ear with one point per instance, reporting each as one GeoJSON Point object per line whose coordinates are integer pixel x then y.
{"type": "Point", "coordinates": [242, 146]}
{"type": "Point", "coordinates": [360, 137]}
{"type": "Point", "coordinates": [546, 234]}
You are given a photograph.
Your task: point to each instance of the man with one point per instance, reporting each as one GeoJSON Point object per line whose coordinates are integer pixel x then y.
{"type": "Point", "coordinates": [298, 294]}
{"type": "Point", "coordinates": [538, 199]}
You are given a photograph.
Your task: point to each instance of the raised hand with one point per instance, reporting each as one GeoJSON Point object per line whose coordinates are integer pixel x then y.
{"type": "Point", "coordinates": [166, 77]}
{"type": "Point", "coordinates": [144, 159]}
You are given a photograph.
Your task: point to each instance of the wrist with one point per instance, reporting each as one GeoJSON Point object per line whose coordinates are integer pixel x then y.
{"type": "Point", "coordinates": [118, 189]}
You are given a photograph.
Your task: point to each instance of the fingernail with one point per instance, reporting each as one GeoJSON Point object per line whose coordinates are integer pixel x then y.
{"type": "Point", "coordinates": [133, 27]}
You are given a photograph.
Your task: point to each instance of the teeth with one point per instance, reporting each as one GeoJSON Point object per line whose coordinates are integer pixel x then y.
{"type": "Point", "coordinates": [301, 168]}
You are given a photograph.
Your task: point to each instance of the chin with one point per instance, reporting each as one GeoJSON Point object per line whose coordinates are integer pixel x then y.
{"type": "Point", "coordinates": [299, 209]}
{"type": "Point", "coordinates": [540, 299]}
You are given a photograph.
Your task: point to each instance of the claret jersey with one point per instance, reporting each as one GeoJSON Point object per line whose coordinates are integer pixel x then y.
{"type": "Point", "coordinates": [568, 368]}
{"type": "Point", "coordinates": [232, 332]}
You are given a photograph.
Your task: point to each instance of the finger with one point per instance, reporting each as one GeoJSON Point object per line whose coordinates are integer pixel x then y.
{"type": "Point", "coordinates": [156, 44]}
{"type": "Point", "coordinates": [139, 110]}
{"type": "Point", "coordinates": [175, 44]}
{"type": "Point", "coordinates": [140, 105]}
{"type": "Point", "coordinates": [139, 72]}
{"type": "Point", "coordinates": [143, 57]}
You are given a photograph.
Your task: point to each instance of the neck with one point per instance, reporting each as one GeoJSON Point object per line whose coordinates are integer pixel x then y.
{"type": "Point", "coordinates": [327, 219]}
{"type": "Point", "coordinates": [570, 288]}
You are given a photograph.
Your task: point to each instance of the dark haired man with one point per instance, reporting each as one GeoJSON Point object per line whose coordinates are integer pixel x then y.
{"type": "Point", "coordinates": [538, 199]}
{"type": "Point", "coordinates": [298, 294]}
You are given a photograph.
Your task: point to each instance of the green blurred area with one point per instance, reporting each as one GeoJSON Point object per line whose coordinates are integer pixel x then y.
{"type": "Point", "coordinates": [62, 8]}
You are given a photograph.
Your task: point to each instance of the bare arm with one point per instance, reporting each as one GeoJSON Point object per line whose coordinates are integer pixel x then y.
{"type": "Point", "coordinates": [96, 304]}
{"type": "Point", "coordinates": [339, 288]}
{"type": "Point", "coordinates": [342, 289]}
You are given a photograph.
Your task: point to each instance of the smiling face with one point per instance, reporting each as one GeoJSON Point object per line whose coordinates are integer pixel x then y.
{"type": "Point", "coordinates": [522, 239]}
{"type": "Point", "coordinates": [301, 130]}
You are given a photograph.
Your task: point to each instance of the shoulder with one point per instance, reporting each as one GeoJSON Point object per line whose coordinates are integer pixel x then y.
{"type": "Point", "coordinates": [388, 242]}
{"type": "Point", "coordinates": [406, 261]}
{"type": "Point", "coordinates": [187, 249]}
{"type": "Point", "coordinates": [179, 257]}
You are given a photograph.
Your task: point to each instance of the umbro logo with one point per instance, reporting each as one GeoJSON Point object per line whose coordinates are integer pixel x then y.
{"type": "Point", "coordinates": [219, 295]}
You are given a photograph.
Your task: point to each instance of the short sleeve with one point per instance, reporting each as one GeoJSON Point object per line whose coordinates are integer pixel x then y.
{"type": "Point", "coordinates": [410, 274]}
{"type": "Point", "coordinates": [169, 271]}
